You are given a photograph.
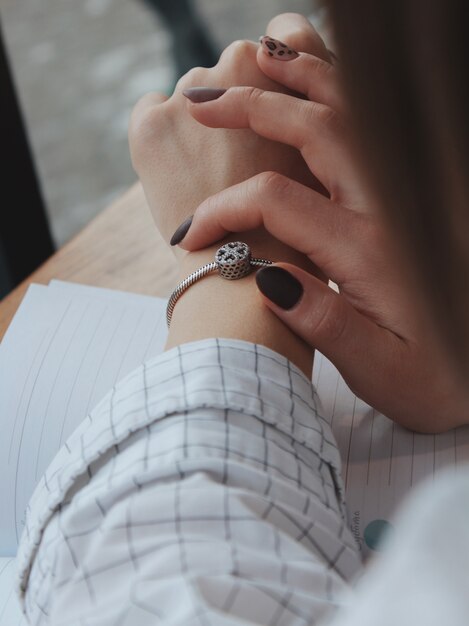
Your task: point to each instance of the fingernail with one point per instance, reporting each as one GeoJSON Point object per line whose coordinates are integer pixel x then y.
{"type": "Point", "coordinates": [203, 94]}
{"type": "Point", "coordinates": [333, 56]}
{"type": "Point", "coordinates": [279, 286]}
{"type": "Point", "coordinates": [277, 49]}
{"type": "Point", "coordinates": [181, 231]}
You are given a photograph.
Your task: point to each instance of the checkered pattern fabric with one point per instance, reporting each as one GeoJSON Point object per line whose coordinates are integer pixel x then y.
{"type": "Point", "coordinates": [203, 489]}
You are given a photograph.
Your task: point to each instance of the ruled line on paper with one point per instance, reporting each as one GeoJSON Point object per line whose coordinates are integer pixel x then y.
{"type": "Point", "coordinates": [53, 334]}
{"type": "Point", "coordinates": [81, 361]}
{"type": "Point", "coordinates": [129, 343]}
{"type": "Point", "coordinates": [370, 448]}
{"type": "Point", "coordinates": [52, 388]}
{"type": "Point", "coordinates": [347, 462]}
{"type": "Point", "coordinates": [103, 358]}
{"type": "Point", "coordinates": [20, 402]}
{"type": "Point", "coordinates": [10, 610]}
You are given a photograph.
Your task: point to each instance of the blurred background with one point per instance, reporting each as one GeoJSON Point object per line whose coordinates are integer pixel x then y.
{"type": "Point", "coordinates": [80, 66]}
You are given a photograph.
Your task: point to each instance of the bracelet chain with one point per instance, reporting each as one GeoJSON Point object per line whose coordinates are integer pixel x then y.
{"type": "Point", "coordinates": [196, 275]}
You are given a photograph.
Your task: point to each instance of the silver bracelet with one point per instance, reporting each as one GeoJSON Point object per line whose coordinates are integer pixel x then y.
{"type": "Point", "coordinates": [233, 260]}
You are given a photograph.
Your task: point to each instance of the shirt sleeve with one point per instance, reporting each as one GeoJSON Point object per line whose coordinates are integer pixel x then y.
{"type": "Point", "coordinates": [421, 576]}
{"type": "Point", "coordinates": [204, 489]}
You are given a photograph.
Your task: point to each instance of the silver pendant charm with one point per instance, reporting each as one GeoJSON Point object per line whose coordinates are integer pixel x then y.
{"type": "Point", "coordinates": [234, 260]}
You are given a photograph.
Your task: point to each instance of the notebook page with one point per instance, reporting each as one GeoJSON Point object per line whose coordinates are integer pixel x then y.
{"type": "Point", "coordinates": [156, 341]}
{"type": "Point", "coordinates": [10, 611]}
{"type": "Point", "coordinates": [63, 351]}
{"type": "Point", "coordinates": [381, 461]}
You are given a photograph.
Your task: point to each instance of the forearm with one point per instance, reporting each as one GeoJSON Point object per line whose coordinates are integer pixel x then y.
{"type": "Point", "coordinates": [215, 307]}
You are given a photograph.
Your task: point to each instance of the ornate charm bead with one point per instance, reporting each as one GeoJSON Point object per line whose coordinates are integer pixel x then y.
{"type": "Point", "coordinates": [234, 260]}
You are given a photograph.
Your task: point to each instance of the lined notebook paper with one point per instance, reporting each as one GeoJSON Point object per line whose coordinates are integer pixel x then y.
{"type": "Point", "coordinates": [66, 347]}
{"type": "Point", "coordinates": [69, 344]}
{"type": "Point", "coordinates": [381, 461]}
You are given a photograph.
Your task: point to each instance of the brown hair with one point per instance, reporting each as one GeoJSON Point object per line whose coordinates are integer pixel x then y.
{"type": "Point", "coordinates": [404, 65]}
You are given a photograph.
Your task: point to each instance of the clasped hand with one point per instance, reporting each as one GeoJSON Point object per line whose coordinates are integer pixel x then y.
{"type": "Point", "coordinates": [312, 198]}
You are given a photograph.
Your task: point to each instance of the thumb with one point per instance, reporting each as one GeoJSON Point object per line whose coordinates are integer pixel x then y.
{"type": "Point", "coordinates": [360, 349]}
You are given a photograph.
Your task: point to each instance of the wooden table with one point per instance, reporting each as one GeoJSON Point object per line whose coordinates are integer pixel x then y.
{"type": "Point", "coordinates": [120, 249]}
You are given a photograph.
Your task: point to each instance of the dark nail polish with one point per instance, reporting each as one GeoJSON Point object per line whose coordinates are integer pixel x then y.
{"type": "Point", "coordinates": [203, 94]}
{"type": "Point", "coordinates": [279, 286]}
{"type": "Point", "coordinates": [181, 231]}
{"type": "Point", "coordinates": [277, 49]}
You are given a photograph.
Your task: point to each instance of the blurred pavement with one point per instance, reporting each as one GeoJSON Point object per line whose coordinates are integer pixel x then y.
{"type": "Point", "coordinates": [80, 66]}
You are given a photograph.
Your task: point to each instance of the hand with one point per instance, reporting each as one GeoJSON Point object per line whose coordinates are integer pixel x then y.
{"type": "Point", "coordinates": [373, 331]}
{"type": "Point", "coordinates": [180, 163]}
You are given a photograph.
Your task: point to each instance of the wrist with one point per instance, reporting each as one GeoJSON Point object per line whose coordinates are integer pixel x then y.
{"type": "Point", "coordinates": [216, 307]}
{"type": "Point", "coordinates": [262, 245]}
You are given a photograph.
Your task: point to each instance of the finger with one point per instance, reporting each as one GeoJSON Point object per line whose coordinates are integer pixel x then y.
{"type": "Point", "coordinates": [305, 74]}
{"type": "Point", "coordinates": [293, 213]}
{"type": "Point", "coordinates": [239, 51]}
{"type": "Point", "coordinates": [358, 347]}
{"type": "Point", "coordinates": [314, 129]}
{"type": "Point", "coordinates": [298, 32]}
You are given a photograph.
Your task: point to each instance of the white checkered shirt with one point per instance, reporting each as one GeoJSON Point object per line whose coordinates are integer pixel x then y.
{"type": "Point", "coordinates": [204, 489]}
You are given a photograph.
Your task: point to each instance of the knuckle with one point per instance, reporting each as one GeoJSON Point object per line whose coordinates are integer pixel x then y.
{"type": "Point", "coordinates": [296, 22]}
{"type": "Point", "coordinates": [193, 78]}
{"type": "Point", "coordinates": [319, 67]}
{"type": "Point", "coordinates": [278, 19]}
{"type": "Point", "coordinates": [272, 184]}
{"type": "Point", "coordinates": [252, 96]}
{"type": "Point", "coordinates": [148, 121]}
{"type": "Point", "coordinates": [143, 125]}
{"type": "Point", "coordinates": [211, 206]}
{"type": "Point", "coordinates": [328, 118]}
{"type": "Point", "coordinates": [298, 34]}
{"type": "Point", "coordinates": [240, 47]}
{"type": "Point", "coordinates": [328, 319]}
{"type": "Point", "coordinates": [301, 34]}
{"type": "Point", "coordinates": [140, 111]}
{"type": "Point", "coordinates": [238, 50]}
